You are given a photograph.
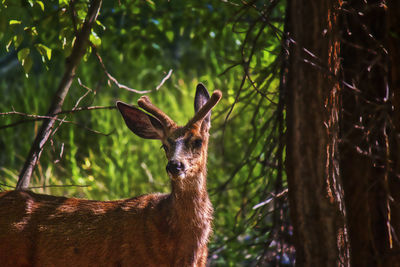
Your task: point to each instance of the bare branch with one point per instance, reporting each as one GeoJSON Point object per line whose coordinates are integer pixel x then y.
{"type": "Point", "coordinates": [88, 90]}
{"type": "Point", "coordinates": [122, 86]}
{"type": "Point", "coordinates": [85, 109]}
{"type": "Point", "coordinates": [164, 79]}
{"type": "Point", "coordinates": [40, 117]}
{"type": "Point", "coordinates": [18, 123]}
{"type": "Point", "coordinates": [272, 197]}
{"type": "Point", "coordinates": [34, 117]}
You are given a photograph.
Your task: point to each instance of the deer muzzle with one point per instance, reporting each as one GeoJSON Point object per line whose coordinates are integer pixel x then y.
{"type": "Point", "coordinates": [175, 168]}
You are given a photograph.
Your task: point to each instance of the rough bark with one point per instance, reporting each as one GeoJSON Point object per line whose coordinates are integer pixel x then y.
{"type": "Point", "coordinates": [72, 63]}
{"type": "Point", "coordinates": [393, 42]}
{"type": "Point", "coordinates": [393, 34]}
{"type": "Point", "coordinates": [369, 147]}
{"type": "Point", "coordinates": [315, 196]}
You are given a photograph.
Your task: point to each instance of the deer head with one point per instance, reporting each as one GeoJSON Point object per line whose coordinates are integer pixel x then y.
{"type": "Point", "coordinates": [184, 146]}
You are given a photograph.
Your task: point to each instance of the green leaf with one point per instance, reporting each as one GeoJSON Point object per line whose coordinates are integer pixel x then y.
{"type": "Point", "coordinates": [87, 54]}
{"type": "Point", "coordinates": [40, 3]}
{"type": "Point", "coordinates": [63, 3]}
{"type": "Point", "coordinates": [44, 50]}
{"type": "Point", "coordinates": [8, 45]}
{"type": "Point", "coordinates": [98, 22]}
{"type": "Point", "coordinates": [170, 35]}
{"type": "Point", "coordinates": [81, 14]}
{"type": "Point", "coordinates": [151, 4]}
{"type": "Point", "coordinates": [25, 59]}
{"type": "Point", "coordinates": [18, 40]}
{"type": "Point", "coordinates": [31, 30]}
{"type": "Point", "coordinates": [23, 53]}
{"type": "Point", "coordinates": [95, 39]}
{"type": "Point", "coordinates": [27, 64]}
{"type": "Point", "coordinates": [14, 21]}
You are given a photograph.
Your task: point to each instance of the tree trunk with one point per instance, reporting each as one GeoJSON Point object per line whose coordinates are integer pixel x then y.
{"type": "Point", "coordinates": [315, 196]}
{"type": "Point", "coordinates": [72, 63]}
{"type": "Point", "coordinates": [369, 147]}
{"type": "Point", "coordinates": [393, 34]}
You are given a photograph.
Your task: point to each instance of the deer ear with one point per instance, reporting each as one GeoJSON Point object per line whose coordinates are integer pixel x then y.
{"type": "Point", "coordinates": [202, 96]}
{"type": "Point", "coordinates": [142, 124]}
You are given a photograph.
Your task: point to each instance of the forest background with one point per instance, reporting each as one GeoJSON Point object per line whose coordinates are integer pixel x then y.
{"type": "Point", "coordinates": [309, 118]}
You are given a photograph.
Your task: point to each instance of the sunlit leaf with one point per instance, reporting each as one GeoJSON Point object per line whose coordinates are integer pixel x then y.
{"type": "Point", "coordinates": [87, 54]}
{"type": "Point", "coordinates": [44, 50]}
{"type": "Point", "coordinates": [31, 30]}
{"type": "Point", "coordinates": [170, 35]}
{"type": "Point", "coordinates": [8, 45]}
{"type": "Point", "coordinates": [151, 3]}
{"type": "Point", "coordinates": [25, 59]}
{"type": "Point", "coordinates": [13, 22]}
{"type": "Point", "coordinates": [40, 3]}
{"type": "Point", "coordinates": [23, 53]}
{"type": "Point", "coordinates": [98, 22]}
{"type": "Point", "coordinates": [63, 3]}
{"type": "Point", "coordinates": [95, 39]}
{"type": "Point", "coordinates": [81, 14]}
{"type": "Point", "coordinates": [17, 40]}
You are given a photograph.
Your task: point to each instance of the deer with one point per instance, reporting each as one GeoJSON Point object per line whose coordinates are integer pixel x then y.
{"type": "Point", "coordinates": [148, 230]}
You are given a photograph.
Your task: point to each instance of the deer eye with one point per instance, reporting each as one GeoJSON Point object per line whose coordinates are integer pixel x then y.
{"type": "Point", "coordinates": [197, 143]}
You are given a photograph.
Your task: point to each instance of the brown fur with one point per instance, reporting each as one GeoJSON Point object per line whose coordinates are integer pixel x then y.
{"type": "Point", "coordinates": [150, 230]}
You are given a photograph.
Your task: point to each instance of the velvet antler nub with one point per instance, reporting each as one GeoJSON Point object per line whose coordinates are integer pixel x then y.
{"type": "Point", "coordinates": [203, 111]}
{"type": "Point", "coordinates": [145, 103]}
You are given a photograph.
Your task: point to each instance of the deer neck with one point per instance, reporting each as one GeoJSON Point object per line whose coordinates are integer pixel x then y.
{"type": "Point", "coordinates": [190, 188]}
{"type": "Point", "coordinates": [189, 195]}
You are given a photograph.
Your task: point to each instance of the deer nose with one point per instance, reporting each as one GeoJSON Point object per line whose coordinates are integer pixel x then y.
{"type": "Point", "coordinates": [175, 167]}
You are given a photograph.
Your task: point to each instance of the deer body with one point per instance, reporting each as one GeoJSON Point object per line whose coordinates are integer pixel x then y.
{"type": "Point", "coordinates": [150, 230]}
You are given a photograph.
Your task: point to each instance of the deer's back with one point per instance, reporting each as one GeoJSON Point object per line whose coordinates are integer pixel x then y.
{"type": "Point", "coordinates": [46, 230]}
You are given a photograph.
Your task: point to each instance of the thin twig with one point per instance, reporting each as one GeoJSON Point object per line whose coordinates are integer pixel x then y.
{"type": "Point", "coordinates": [164, 79]}
{"type": "Point", "coordinates": [88, 90]}
{"type": "Point", "coordinates": [269, 199]}
{"type": "Point", "coordinates": [122, 86]}
{"type": "Point", "coordinates": [86, 108]}
{"type": "Point", "coordinates": [40, 117]}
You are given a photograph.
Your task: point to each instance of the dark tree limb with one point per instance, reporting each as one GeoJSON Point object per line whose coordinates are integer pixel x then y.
{"type": "Point", "coordinates": [72, 63]}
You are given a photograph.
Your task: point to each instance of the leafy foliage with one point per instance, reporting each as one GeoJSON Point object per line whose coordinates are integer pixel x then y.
{"type": "Point", "coordinates": [226, 45]}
